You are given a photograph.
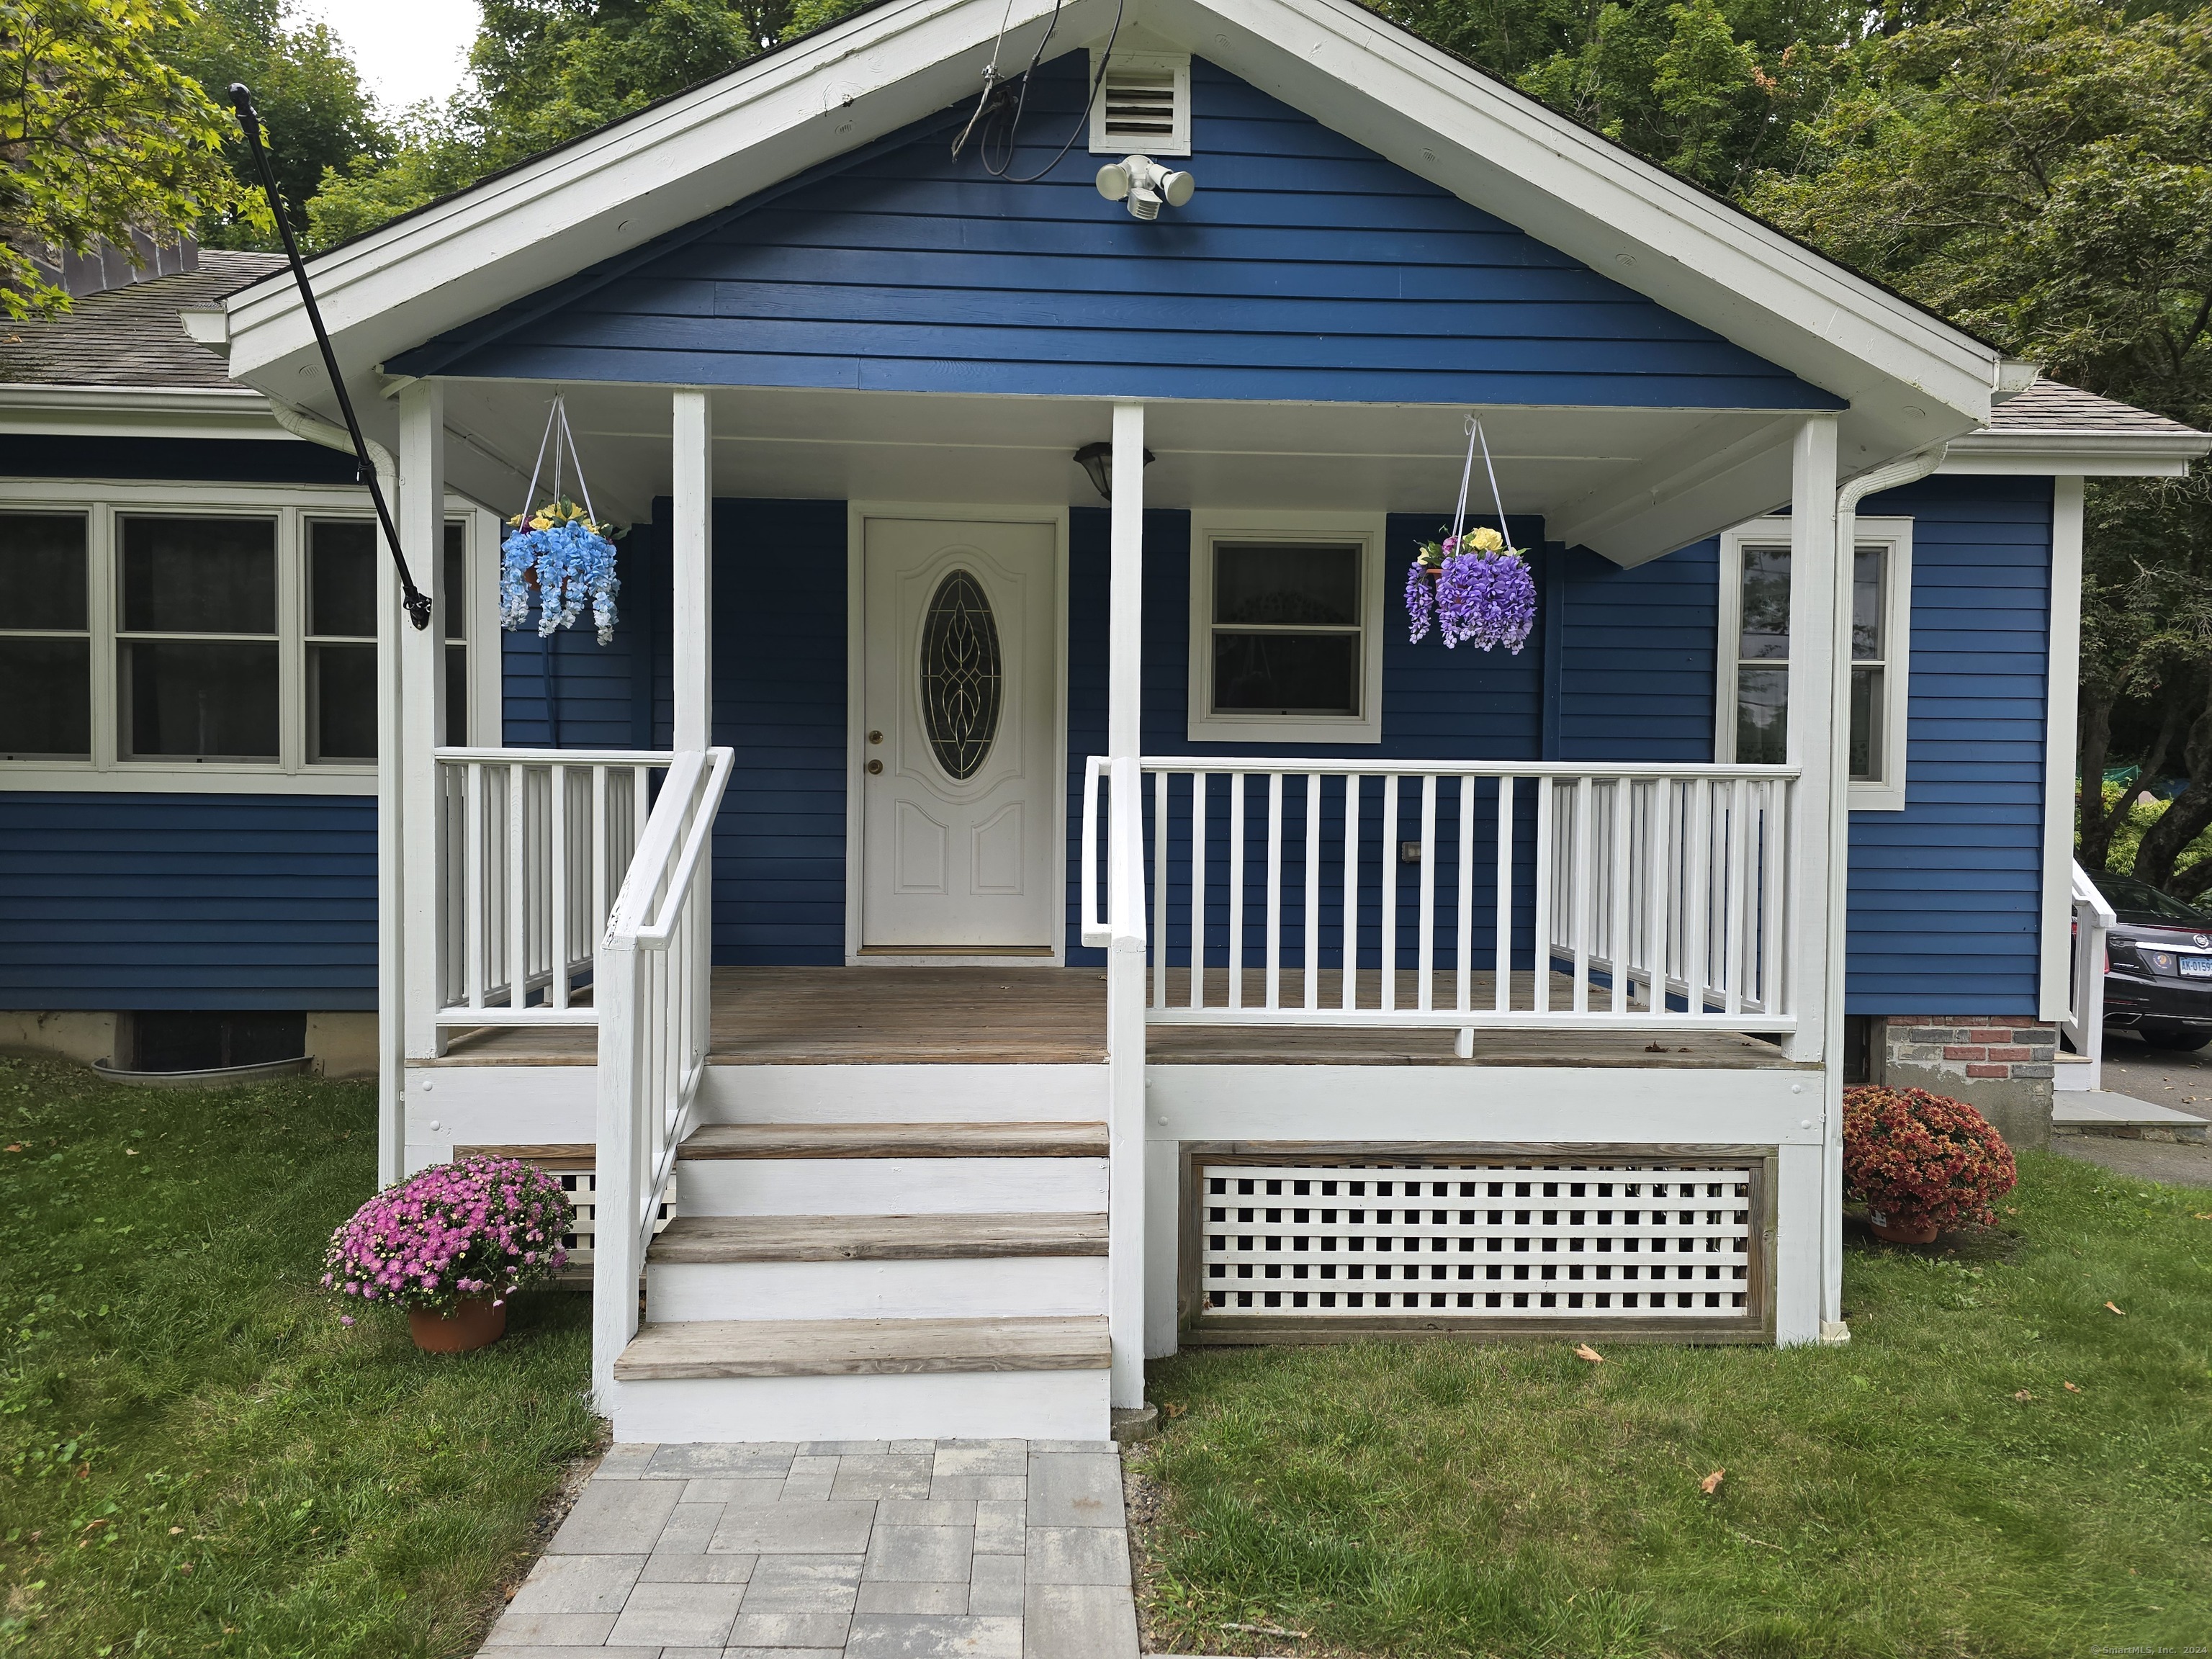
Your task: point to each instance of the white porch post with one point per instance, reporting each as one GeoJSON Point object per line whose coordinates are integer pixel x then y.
{"type": "Point", "coordinates": [1810, 1249]}
{"type": "Point", "coordinates": [1125, 961]}
{"type": "Point", "coordinates": [390, 901]}
{"type": "Point", "coordinates": [421, 516]}
{"type": "Point", "coordinates": [693, 658]}
{"type": "Point", "coordinates": [2062, 709]}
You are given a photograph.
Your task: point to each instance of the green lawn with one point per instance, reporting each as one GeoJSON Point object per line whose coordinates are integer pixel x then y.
{"type": "Point", "coordinates": [1891, 1498]}
{"type": "Point", "coordinates": [195, 1457]}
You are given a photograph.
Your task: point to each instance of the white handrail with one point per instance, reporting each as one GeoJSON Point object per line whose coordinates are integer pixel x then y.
{"type": "Point", "coordinates": [2084, 1024]}
{"type": "Point", "coordinates": [1631, 896]}
{"type": "Point", "coordinates": [530, 842]}
{"type": "Point", "coordinates": [652, 976]}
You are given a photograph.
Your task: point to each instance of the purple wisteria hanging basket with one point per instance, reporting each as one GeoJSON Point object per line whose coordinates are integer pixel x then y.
{"type": "Point", "coordinates": [1474, 590]}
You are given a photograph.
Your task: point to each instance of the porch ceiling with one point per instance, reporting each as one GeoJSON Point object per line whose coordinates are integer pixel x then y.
{"type": "Point", "coordinates": [1578, 468]}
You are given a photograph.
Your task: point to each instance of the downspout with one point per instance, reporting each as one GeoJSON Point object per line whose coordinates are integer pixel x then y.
{"type": "Point", "coordinates": [1910, 468]}
{"type": "Point", "coordinates": [391, 985]}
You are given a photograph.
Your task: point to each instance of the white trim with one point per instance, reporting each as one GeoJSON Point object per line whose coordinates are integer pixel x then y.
{"type": "Point", "coordinates": [1174, 64]}
{"type": "Point", "coordinates": [2062, 454]}
{"type": "Point", "coordinates": [2060, 759]}
{"type": "Point", "coordinates": [1209, 526]}
{"type": "Point", "coordinates": [290, 507]}
{"type": "Point", "coordinates": [233, 412]}
{"type": "Point", "coordinates": [857, 515]}
{"type": "Point", "coordinates": [1894, 536]}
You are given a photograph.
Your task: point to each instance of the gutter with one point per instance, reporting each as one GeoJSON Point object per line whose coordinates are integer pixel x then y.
{"type": "Point", "coordinates": [1910, 468]}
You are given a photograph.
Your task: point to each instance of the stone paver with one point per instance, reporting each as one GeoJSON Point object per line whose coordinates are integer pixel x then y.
{"type": "Point", "coordinates": [860, 1549]}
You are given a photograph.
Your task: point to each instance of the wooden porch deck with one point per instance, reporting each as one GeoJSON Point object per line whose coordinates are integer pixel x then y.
{"type": "Point", "coordinates": [1057, 1016]}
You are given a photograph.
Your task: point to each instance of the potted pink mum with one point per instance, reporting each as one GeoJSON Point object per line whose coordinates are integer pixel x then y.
{"type": "Point", "coordinates": [450, 1244]}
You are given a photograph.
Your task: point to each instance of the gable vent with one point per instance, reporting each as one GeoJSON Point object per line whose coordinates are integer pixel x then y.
{"type": "Point", "coordinates": [1143, 106]}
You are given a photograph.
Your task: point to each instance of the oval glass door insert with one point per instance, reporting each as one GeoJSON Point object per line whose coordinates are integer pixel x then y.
{"type": "Point", "coordinates": [962, 686]}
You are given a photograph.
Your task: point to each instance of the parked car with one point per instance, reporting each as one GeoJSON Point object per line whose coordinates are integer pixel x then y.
{"type": "Point", "coordinates": [2157, 965]}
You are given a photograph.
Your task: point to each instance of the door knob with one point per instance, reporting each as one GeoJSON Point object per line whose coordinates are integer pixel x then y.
{"type": "Point", "coordinates": [875, 766]}
{"type": "Point", "coordinates": [875, 737]}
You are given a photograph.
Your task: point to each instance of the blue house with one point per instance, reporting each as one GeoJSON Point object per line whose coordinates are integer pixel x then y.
{"type": "Point", "coordinates": [1012, 895]}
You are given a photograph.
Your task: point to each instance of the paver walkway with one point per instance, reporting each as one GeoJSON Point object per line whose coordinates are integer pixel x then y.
{"type": "Point", "coordinates": [905, 1549]}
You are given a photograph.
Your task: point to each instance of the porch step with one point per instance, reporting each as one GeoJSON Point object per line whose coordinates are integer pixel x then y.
{"type": "Point", "coordinates": [766, 1238]}
{"type": "Point", "coordinates": [899, 1140]}
{"type": "Point", "coordinates": [724, 1348]}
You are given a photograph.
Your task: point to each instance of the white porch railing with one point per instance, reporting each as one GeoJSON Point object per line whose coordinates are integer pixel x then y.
{"type": "Point", "coordinates": [653, 992]}
{"type": "Point", "coordinates": [533, 844]}
{"type": "Point", "coordinates": [1280, 891]}
{"type": "Point", "coordinates": [2083, 1027]}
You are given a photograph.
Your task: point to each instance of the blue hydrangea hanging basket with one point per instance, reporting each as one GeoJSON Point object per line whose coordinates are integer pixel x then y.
{"type": "Point", "coordinates": [1473, 587]}
{"type": "Point", "coordinates": [558, 555]}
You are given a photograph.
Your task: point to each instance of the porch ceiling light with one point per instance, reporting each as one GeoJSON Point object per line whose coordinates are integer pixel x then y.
{"type": "Point", "coordinates": [1097, 460]}
{"type": "Point", "coordinates": [1144, 183]}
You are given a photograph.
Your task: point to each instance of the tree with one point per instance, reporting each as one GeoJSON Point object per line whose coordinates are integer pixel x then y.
{"type": "Point", "coordinates": [313, 109]}
{"type": "Point", "coordinates": [99, 138]}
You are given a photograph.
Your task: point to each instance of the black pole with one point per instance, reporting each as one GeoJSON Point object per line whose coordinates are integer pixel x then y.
{"type": "Point", "coordinates": [416, 602]}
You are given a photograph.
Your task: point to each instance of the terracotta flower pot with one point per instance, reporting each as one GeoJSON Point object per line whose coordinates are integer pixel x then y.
{"type": "Point", "coordinates": [476, 1322]}
{"type": "Point", "coordinates": [1897, 1232]}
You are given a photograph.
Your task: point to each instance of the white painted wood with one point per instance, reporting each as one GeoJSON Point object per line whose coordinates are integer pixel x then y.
{"type": "Point", "coordinates": [2081, 1019]}
{"type": "Point", "coordinates": [903, 1094]}
{"type": "Point", "coordinates": [394, 1150]}
{"type": "Point", "coordinates": [960, 1404]}
{"type": "Point", "coordinates": [692, 543]}
{"type": "Point", "coordinates": [946, 861]}
{"type": "Point", "coordinates": [422, 518]}
{"type": "Point", "coordinates": [1163, 1246]}
{"type": "Point", "coordinates": [1814, 582]}
{"type": "Point", "coordinates": [1801, 1229]}
{"type": "Point", "coordinates": [2060, 750]}
{"type": "Point", "coordinates": [1125, 956]}
{"type": "Point", "coordinates": [1009, 1288]}
{"type": "Point", "coordinates": [893, 1186]}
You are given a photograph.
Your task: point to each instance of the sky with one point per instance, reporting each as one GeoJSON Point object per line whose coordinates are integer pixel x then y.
{"type": "Point", "coordinates": [407, 50]}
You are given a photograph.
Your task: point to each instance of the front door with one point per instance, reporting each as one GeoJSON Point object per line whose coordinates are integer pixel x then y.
{"type": "Point", "coordinates": [958, 787]}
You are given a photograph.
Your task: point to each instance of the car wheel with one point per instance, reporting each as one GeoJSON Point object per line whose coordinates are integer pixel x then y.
{"type": "Point", "coordinates": [2179, 1039]}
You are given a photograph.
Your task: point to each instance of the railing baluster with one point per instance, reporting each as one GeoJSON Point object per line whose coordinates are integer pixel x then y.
{"type": "Point", "coordinates": [1585, 857]}
{"type": "Point", "coordinates": [557, 991]}
{"type": "Point", "coordinates": [1657, 884]}
{"type": "Point", "coordinates": [1348, 956]}
{"type": "Point", "coordinates": [1389, 873]}
{"type": "Point", "coordinates": [1198, 780]}
{"type": "Point", "coordinates": [1501, 941]}
{"type": "Point", "coordinates": [1697, 858]}
{"type": "Point", "coordinates": [1275, 964]}
{"type": "Point", "coordinates": [518, 898]}
{"type": "Point", "coordinates": [1617, 945]}
{"type": "Point", "coordinates": [473, 914]}
{"type": "Point", "coordinates": [1740, 891]}
{"type": "Point", "coordinates": [1236, 889]}
{"type": "Point", "coordinates": [1546, 874]}
{"type": "Point", "coordinates": [1159, 939]}
{"type": "Point", "coordinates": [1426, 951]}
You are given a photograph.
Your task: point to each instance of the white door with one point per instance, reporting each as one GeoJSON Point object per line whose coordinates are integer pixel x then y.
{"type": "Point", "coordinates": [958, 777]}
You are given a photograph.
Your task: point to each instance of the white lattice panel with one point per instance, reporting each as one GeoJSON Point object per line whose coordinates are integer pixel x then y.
{"type": "Point", "coordinates": [581, 1186]}
{"type": "Point", "coordinates": [1490, 1240]}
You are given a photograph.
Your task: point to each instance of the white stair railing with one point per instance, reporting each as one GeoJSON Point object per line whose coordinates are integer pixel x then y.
{"type": "Point", "coordinates": [2084, 1024]}
{"type": "Point", "coordinates": [1662, 895]}
{"type": "Point", "coordinates": [533, 844]}
{"type": "Point", "coordinates": [652, 988]}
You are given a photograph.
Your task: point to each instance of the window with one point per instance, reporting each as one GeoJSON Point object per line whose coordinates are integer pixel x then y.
{"type": "Point", "coordinates": [1286, 628]}
{"type": "Point", "coordinates": [45, 643]}
{"type": "Point", "coordinates": [223, 637]}
{"type": "Point", "coordinates": [1753, 713]}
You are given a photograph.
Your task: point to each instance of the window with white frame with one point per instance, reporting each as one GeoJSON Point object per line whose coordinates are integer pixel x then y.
{"type": "Point", "coordinates": [1752, 724]}
{"type": "Point", "coordinates": [1286, 626]}
{"type": "Point", "coordinates": [162, 634]}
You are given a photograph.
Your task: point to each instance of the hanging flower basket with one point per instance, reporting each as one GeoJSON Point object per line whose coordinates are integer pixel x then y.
{"type": "Point", "coordinates": [1473, 585]}
{"type": "Point", "coordinates": [558, 555]}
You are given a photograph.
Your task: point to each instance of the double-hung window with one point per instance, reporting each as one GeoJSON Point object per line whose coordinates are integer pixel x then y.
{"type": "Point", "coordinates": [1752, 707]}
{"type": "Point", "coordinates": [1286, 626]}
{"type": "Point", "coordinates": [160, 636]}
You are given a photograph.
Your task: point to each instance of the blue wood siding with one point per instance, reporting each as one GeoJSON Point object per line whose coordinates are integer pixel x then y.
{"type": "Point", "coordinates": [181, 900]}
{"type": "Point", "coordinates": [1306, 267]}
{"type": "Point", "coordinates": [45, 455]}
{"type": "Point", "coordinates": [1946, 897]}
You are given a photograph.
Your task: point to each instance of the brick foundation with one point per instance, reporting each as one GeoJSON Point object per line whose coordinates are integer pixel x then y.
{"type": "Point", "coordinates": [2001, 1067]}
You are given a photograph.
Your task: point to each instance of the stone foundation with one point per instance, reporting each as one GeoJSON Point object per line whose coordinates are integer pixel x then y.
{"type": "Point", "coordinates": [2001, 1067]}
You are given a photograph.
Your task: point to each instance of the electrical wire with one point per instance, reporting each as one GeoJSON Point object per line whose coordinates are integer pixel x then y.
{"type": "Point", "coordinates": [1003, 134]}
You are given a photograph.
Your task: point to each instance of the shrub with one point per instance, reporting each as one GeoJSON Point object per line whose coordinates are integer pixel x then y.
{"type": "Point", "coordinates": [483, 1226]}
{"type": "Point", "coordinates": [1922, 1159]}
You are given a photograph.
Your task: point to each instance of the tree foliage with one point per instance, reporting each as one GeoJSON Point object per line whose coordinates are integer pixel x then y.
{"type": "Point", "coordinates": [99, 136]}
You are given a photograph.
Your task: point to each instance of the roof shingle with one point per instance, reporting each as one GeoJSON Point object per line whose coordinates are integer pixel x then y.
{"type": "Point", "coordinates": [133, 336]}
{"type": "Point", "coordinates": [2048, 406]}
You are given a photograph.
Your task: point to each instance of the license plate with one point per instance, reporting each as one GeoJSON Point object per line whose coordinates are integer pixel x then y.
{"type": "Point", "coordinates": [2195, 967]}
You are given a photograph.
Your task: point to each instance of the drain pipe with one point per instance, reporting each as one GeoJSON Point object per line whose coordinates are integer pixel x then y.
{"type": "Point", "coordinates": [391, 986]}
{"type": "Point", "coordinates": [1910, 468]}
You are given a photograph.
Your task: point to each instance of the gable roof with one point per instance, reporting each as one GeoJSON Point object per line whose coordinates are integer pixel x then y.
{"type": "Point", "coordinates": [2056, 428]}
{"type": "Point", "coordinates": [2051, 406]}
